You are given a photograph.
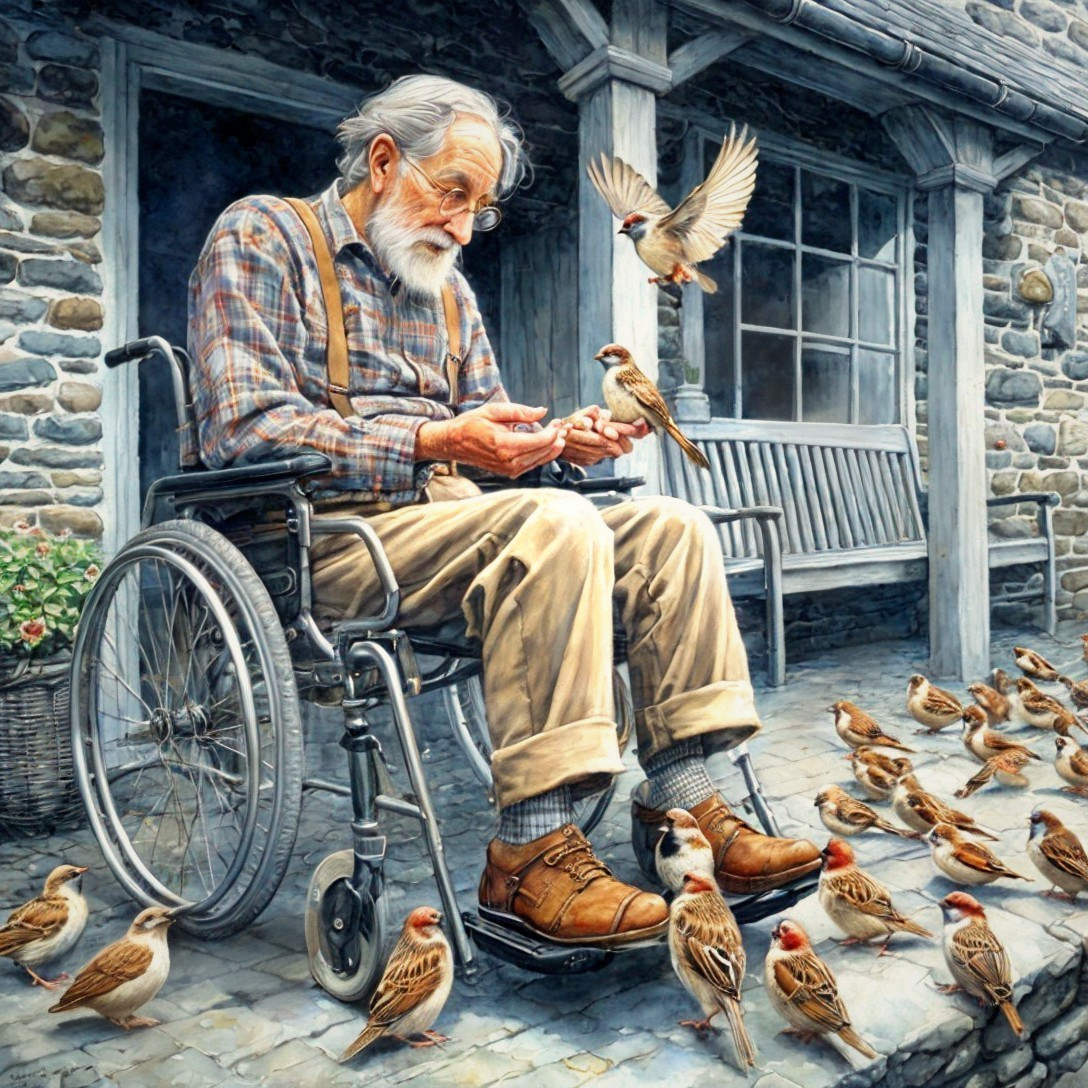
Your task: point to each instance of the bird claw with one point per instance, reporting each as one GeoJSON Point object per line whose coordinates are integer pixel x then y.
{"type": "Point", "coordinates": [805, 1037]}
{"type": "Point", "coordinates": [436, 1036]}
{"type": "Point", "coordinates": [698, 1025]}
{"type": "Point", "coordinates": [131, 1022]}
{"type": "Point", "coordinates": [948, 987]}
{"type": "Point", "coordinates": [47, 983]}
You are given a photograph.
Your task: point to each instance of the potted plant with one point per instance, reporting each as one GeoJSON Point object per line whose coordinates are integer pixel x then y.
{"type": "Point", "coordinates": [44, 579]}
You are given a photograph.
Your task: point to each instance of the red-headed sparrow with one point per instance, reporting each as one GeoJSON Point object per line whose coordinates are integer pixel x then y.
{"type": "Point", "coordinates": [803, 991]}
{"type": "Point", "coordinates": [47, 926]}
{"type": "Point", "coordinates": [1057, 853]}
{"type": "Point", "coordinates": [843, 815]}
{"type": "Point", "coordinates": [877, 772]}
{"type": "Point", "coordinates": [963, 860]}
{"type": "Point", "coordinates": [996, 704]}
{"type": "Point", "coordinates": [1071, 763]}
{"type": "Point", "coordinates": [1005, 767]}
{"type": "Point", "coordinates": [682, 849]}
{"type": "Point", "coordinates": [982, 742]}
{"type": "Point", "coordinates": [414, 986]}
{"type": "Point", "coordinates": [921, 810]}
{"type": "Point", "coordinates": [670, 241]}
{"type": "Point", "coordinates": [858, 729]}
{"type": "Point", "coordinates": [932, 706]}
{"type": "Point", "coordinates": [1034, 665]}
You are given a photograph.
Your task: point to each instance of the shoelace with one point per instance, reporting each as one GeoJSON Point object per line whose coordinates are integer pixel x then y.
{"type": "Point", "coordinates": [577, 858]}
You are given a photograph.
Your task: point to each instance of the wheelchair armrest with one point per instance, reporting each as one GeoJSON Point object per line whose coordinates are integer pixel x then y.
{"type": "Point", "coordinates": [382, 566]}
{"type": "Point", "coordinates": [1043, 498]}
{"type": "Point", "coordinates": [261, 472]}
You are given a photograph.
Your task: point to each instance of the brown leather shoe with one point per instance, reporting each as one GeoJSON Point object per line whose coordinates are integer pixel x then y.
{"type": "Point", "coordinates": [557, 887]}
{"type": "Point", "coordinates": [746, 861]}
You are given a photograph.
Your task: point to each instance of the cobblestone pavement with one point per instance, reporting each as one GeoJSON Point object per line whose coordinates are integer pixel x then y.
{"type": "Point", "coordinates": [244, 1011]}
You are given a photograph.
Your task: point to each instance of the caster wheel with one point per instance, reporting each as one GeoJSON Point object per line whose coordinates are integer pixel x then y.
{"type": "Point", "coordinates": [362, 950]}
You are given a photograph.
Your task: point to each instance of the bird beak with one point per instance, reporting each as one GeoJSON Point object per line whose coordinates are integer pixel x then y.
{"type": "Point", "coordinates": [441, 917]}
{"type": "Point", "coordinates": [599, 356]}
{"type": "Point", "coordinates": [830, 709]}
{"type": "Point", "coordinates": [622, 230]}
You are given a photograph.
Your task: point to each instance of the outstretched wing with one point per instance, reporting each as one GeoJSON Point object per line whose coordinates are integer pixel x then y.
{"type": "Point", "coordinates": [713, 210]}
{"type": "Point", "coordinates": [625, 189]}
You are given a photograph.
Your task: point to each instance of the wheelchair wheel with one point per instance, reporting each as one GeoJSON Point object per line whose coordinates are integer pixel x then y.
{"type": "Point", "coordinates": [187, 736]}
{"type": "Point", "coordinates": [465, 707]}
{"type": "Point", "coordinates": [364, 942]}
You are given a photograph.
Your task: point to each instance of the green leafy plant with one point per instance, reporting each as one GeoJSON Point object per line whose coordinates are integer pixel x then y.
{"type": "Point", "coordinates": [44, 579]}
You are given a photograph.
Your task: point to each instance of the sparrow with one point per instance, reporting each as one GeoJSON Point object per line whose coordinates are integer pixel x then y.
{"type": "Point", "coordinates": [857, 728]}
{"type": "Point", "coordinates": [708, 958]}
{"type": "Point", "coordinates": [1065, 720]}
{"type": "Point", "coordinates": [876, 772]}
{"type": "Point", "coordinates": [670, 241]}
{"type": "Point", "coordinates": [631, 396]}
{"type": "Point", "coordinates": [843, 815]}
{"type": "Point", "coordinates": [921, 810]}
{"type": "Point", "coordinates": [681, 849]}
{"type": "Point", "coordinates": [932, 706]}
{"type": "Point", "coordinates": [1035, 707]}
{"type": "Point", "coordinates": [965, 861]}
{"type": "Point", "coordinates": [803, 991]}
{"type": "Point", "coordinates": [982, 742]}
{"type": "Point", "coordinates": [976, 958]}
{"type": "Point", "coordinates": [856, 903]}
{"type": "Point", "coordinates": [1071, 763]}
{"type": "Point", "coordinates": [1057, 853]}
{"type": "Point", "coordinates": [125, 974]}
{"type": "Point", "coordinates": [995, 703]}
{"type": "Point", "coordinates": [47, 926]}
{"type": "Point", "coordinates": [1078, 691]}
{"type": "Point", "coordinates": [1034, 665]}
{"type": "Point", "coordinates": [1084, 647]}
{"type": "Point", "coordinates": [1005, 767]}
{"type": "Point", "coordinates": [414, 985]}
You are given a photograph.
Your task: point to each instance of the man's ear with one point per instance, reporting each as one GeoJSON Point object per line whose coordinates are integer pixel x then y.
{"type": "Point", "coordinates": [382, 158]}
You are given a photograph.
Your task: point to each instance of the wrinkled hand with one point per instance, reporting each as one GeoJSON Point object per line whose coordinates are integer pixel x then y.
{"type": "Point", "coordinates": [487, 438]}
{"type": "Point", "coordinates": [595, 436]}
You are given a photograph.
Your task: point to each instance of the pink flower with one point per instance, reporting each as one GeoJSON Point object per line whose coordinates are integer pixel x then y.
{"type": "Point", "coordinates": [18, 588]}
{"type": "Point", "coordinates": [43, 549]}
{"type": "Point", "coordinates": [22, 528]}
{"type": "Point", "coordinates": [92, 572]}
{"type": "Point", "coordinates": [32, 631]}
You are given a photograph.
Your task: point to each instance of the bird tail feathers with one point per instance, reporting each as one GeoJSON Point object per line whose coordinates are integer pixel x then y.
{"type": "Point", "coordinates": [693, 452]}
{"type": "Point", "coordinates": [368, 1035]}
{"type": "Point", "coordinates": [705, 282]}
{"type": "Point", "coordinates": [907, 926]}
{"type": "Point", "coordinates": [742, 1041]}
{"type": "Point", "coordinates": [902, 832]}
{"type": "Point", "coordinates": [851, 1038]}
{"type": "Point", "coordinates": [1013, 1017]}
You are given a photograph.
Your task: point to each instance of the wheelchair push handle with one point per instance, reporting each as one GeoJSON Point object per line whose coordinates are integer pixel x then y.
{"type": "Point", "coordinates": [134, 349]}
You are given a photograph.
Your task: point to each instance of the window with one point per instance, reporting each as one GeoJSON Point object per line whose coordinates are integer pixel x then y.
{"type": "Point", "coordinates": [806, 324]}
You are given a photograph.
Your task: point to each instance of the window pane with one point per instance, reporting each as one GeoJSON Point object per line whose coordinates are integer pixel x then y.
{"type": "Point", "coordinates": [766, 290]}
{"type": "Point", "coordinates": [825, 212]}
{"type": "Point", "coordinates": [768, 376]}
{"type": "Point", "coordinates": [770, 211]}
{"type": "Point", "coordinates": [825, 385]}
{"type": "Point", "coordinates": [877, 400]}
{"type": "Point", "coordinates": [876, 302]}
{"type": "Point", "coordinates": [825, 295]}
{"type": "Point", "coordinates": [718, 332]}
{"type": "Point", "coordinates": [876, 225]}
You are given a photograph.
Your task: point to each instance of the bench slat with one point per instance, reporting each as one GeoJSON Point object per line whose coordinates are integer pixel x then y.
{"type": "Point", "coordinates": [896, 495]}
{"type": "Point", "coordinates": [826, 507]}
{"type": "Point", "coordinates": [778, 487]}
{"type": "Point", "coordinates": [858, 539]}
{"type": "Point", "coordinates": [860, 495]}
{"type": "Point", "coordinates": [801, 492]}
{"type": "Point", "coordinates": [730, 531]}
{"type": "Point", "coordinates": [884, 499]}
{"type": "Point", "coordinates": [838, 500]}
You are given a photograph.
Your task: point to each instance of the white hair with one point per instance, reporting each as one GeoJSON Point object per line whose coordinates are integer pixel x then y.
{"type": "Point", "coordinates": [416, 111]}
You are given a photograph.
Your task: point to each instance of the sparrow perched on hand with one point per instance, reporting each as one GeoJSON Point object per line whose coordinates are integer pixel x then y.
{"type": "Point", "coordinates": [877, 772]}
{"type": "Point", "coordinates": [670, 241]}
{"type": "Point", "coordinates": [708, 958]}
{"type": "Point", "coordinates": [932, 706]}
{"type": "Point", "coordinates": [125, 974]}
{"type": "Point", "coordinates": [995, 703]}
{"type": "Point", "coordinates": [1078, 691]}
{"type": "Point", "coordinates": [978, 961]}
{"type": "Point", "coordinates": [1071, 763]}
{"type": "Point", "coordinates": [1005, 767]}
{"type": "Point", "coordinates": [631, 396]}
{"type": "Point", "coordinates": [682, 849]}
{"type": "Point", "coordinates": [843, 815]}
{"type": "Point", "coordinates": [982, 742]}
{"type": "Point", "coordinates": [803, 991]}
{"type": "Point", "coordinates": [414, 986]}
{"type": "Point", "coordinates": [921, 810]}
{"type": "Point", "coordinates": [856, 903]}
{"type": "Point", "coordinates": [1034, 665]}
{"type": "Point", "coordinates": [48, 925]}
{"type": "Point", "coordinates": [857, 728]}
{"type": "Point", "coordinates": [1057, 853]}
{"type": "Point", "coordinates": [965, 861]}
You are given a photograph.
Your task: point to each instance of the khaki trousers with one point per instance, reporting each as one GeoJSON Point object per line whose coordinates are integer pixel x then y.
{"type": "Point", "coordinates": [534, 573]}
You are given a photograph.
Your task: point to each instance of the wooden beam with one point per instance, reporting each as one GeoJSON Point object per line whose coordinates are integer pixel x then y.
{"type": "Point", "coordinates": [1011, 161]}
{"type": "Point", "coordinates": [692, 57]}
{"type": "Point", "coordinates": [569, 29]}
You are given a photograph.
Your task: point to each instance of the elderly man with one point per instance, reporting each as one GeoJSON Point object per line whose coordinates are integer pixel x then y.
{"type": "Point", "coordinates": [533, 573]}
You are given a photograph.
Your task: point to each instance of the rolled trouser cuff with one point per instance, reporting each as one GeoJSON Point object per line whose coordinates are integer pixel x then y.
{"type": "Point", "coordinates": [583, 754]}
{"type": "Point", "coordinates": [723, 714]}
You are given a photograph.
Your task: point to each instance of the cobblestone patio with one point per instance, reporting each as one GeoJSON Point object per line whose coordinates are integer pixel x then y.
{"type": "Point", "coordinates": [244, 1011]}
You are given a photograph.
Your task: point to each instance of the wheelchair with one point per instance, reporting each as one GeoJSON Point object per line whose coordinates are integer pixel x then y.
{"type": "Point", "coordinates": [194, 652]}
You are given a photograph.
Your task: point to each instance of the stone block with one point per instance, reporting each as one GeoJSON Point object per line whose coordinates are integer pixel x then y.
{"type": "Point", "coordinates": [1078, 33]}
{"type": "Point", "coordinates": [63, 133]}
{"type": "Point", "coordinates": [1075, 365]}
{"type": "Point", "coordinates": [1044, 14]}
{"type": "Point", "coordinates": [67, 86]}
{"type": "Point", "coordinates": [67, 478]}
{"type": "Point", "coordinates": [1063, 400]}
{"type": "Point", "coordinates": [1036, 211]}
{"type": "Point", "coordinates": [1006, 433]}
{"type": "Point", "coordinates": [13, 425]}
{"type": "Point", "coordinates": [21, 307]}
{"type": "Point", "coordinates": [1001, 22]}
{"type": "Point", "coordinates": [25, 372]}
{"type": "Point", "coordinates": [1061, 1034]}
{"type": "Point", "coordinates": [1004, 483]}
{"type": "Point", "coordinates": [64, 275]}
{"type": "Point", "coordinates": [996, 304]}
{"type": "Point", "coordinates": [1034, 1079]}
{"type": "Point", "coordinates": [1040, 438]}
{"type": "Point", "coordinates": [62, 48]}
{"type": "Point", "coordinates": [81, 522]}
{"type": "Point", "coordinates": [998, 459]}
{"type": "Point", "coordinates": [79, 396]}
{"type": "Point", "coordinates": [1075, 580]}
{"type": "Point", "coordinates": [1005, 387]}
{"type": "Point", "coordinates": [25, 243]}
{"type": "Point", "coordinates": [28, 404]}
{"type": "Point", "coordinates": [10, 480]}
{"type": "Point", "coordinates": [17, 78]}
{"type": "Point", "coordinates": [1013, 1062]}
{"type": "Point", "coordinates": [1068, 238]}
{"type": "Point", "coordinates": [9, 42]}
{"type": "Point", "coordinates": [56, 457]}
{"type": "Point", "coordinates": [74, 431]}
{"type": "Point", "coordinates": [78, 366]}
{"type": "Point", "coordinates": [1002, 247]}
{"type": "Point", "coordinates": [27, 496]}
{"type": "Point", "coordinates": [1016, 342]}
{"type": "Point", "coordinates": [1072, 437]}
{"type": "Point", "coordinates": [75, 313]}
{"type": "Point", "coordinates": [65, 225]}
{"type": "Point", "coordinates": [36, 181]}
{"type": "Point", "coordinates": [1070, 523]}
{"type": "Point", "coordinates": [43, 342]}
{"type": "Point", "coordinates": [1065, 483]}
{"type": "Point", "coordinates": [14, 126]}
{"type": "Point", "coordinates": [8, 265]}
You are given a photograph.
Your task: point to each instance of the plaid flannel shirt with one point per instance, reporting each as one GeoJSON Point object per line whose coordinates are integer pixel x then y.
{"type": "Point", "coordinates": [258, 337]}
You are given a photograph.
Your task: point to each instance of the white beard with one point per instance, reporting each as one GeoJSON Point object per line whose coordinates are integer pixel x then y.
{"type": "Point", "coordinates": [409, 253]}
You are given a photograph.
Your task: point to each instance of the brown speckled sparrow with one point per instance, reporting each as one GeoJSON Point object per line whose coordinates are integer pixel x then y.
{"type": "Point", "coordinates": [803, 991]}
{"type": "Point", "coordinates": [413, 988]}
{"type": "Point", "coordinates": [48, 925]}
{"type": "Point", "coordinates": [932, 706]}
{"type": "Point", "coordinates": [965, 861]}
{"type": "Point", "coordinates": [1034, 665]}
{"type": "Point", "coordinates": [995, 703]}
{"type": "Point", "coordinates": [921, 810]}
{"type": "Point", "coordinates": [1078, 691]}
{"type": "Point", "coordinates": [978, 961]}
{"type": "Point", "coordinates": [1057, 853]}
{"type": "Point", "coordinates": [631, 396]}
{"type": "Point", "coordinates": [682, 849]}
{"type": "Point", "coordinates": [1071, 763]}
{"type": "Point", "coordinates": [671, 241]}
{"type": "Point", "coordinates": [1084, 647]}
{"type": "Point", "coordinates": [876, 772]}
{"type": "Point", "coordinates": [844, 815]}
{"type": "Point", "coordinates": [1005, 767]}
{"type": "Point", "coordinates": [857, 728]}
{"type": "Point", "coordinates": [982, 742]}
{"type": "Point", "coordinates": [1035, 707]}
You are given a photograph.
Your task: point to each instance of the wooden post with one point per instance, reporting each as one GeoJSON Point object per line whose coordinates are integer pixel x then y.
{"type": "Point", "coordinates": [692, 405]}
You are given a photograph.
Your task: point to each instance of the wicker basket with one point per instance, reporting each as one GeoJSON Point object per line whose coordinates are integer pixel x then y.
{"type": "Point", "coordinates": [38, 792]}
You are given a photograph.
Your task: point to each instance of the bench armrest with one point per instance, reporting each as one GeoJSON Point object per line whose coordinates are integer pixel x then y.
{"type": "Point", "coordinates": [1044, 498]}
{"type": "Point", "coordinates": [720, 515]}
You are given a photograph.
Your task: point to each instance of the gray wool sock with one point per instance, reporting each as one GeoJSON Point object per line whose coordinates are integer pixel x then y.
{"type": "Point", "coordinates": [678, 776]}
{"type": "Point", "coordinates": [534, 817]}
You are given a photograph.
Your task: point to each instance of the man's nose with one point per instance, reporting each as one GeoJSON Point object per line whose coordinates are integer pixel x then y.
{"type": "Point", "coordinates": [460, 227]}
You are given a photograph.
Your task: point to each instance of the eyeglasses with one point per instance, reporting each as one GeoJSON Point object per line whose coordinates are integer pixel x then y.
{"type": "Point", "coordinates": [455, 202]}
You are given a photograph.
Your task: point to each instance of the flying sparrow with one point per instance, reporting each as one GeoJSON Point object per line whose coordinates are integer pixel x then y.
{"type": "Point", "coordinates": [857, 728]}
{"type": "Point", "coordinates": [670, 241]}
{"type": "Point", "coordinates": [414, 986]}
{"type": "Point", "coordinates": [995, 703]}
{"type": "Point", "coordinates": [1057, 853]}
{"type": "Point", "coordinates": [1071, 763]}
{"type": "Point", "coordinates": [708, 958]}
{"type": "Point", "coordinates": [631, 396]}
{"type": "Point", "coordinates": [978, 961]}
{"type": "Point", "coordinates": [1034, 665]}
{"type": "Point", "coordinates": [982, 742]}
{"type": "Point", "coordinates": [682, 849]}
{"type": "Point", "coordinates": [1005, 767]}
{"type": "Point", "coordinates": [843, 815]}
{"type": "Point", "coordinates": [126, 974]}
{"type": "Point", "coordinates": [932, 706]}
{"type": "Point", "coordinates": [856, 903]}
{"type": "Point", "coordinates": [921, 810]}
{"type": "Point", "coordinates": [803, 991]}
{"type": "Point", "coordinates": [1078, 691]}
{"type": "Point", "coordinates": [965, 861]}
{"type": "Point", "coordinates": [877, 772]}
{"type": "Point", "coordinates": [48, 925]}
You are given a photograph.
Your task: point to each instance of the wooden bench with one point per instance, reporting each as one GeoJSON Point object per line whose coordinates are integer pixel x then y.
{"type": "Point", "coordinates": [853, 512]}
